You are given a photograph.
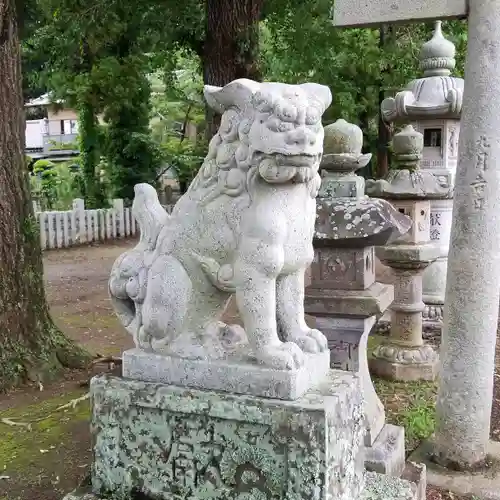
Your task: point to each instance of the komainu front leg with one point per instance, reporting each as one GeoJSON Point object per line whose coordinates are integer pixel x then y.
{"type": "Point", "coordinates": [290, 313]}
{"type": "Point", "coordinates": [256, 299]}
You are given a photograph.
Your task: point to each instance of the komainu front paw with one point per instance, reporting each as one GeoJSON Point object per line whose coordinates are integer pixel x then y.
{"type": "Point", "coordinates": [310, 341]}
{"type": "Point", "coordinates": [285, 356]}
{"type": "Point", "coordinates": [144, 340]}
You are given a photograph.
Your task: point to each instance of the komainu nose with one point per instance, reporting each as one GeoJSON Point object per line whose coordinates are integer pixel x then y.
{"type": "Point", "coordinates": [301, 137]}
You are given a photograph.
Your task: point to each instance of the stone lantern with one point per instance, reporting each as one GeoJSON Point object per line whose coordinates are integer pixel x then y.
{"type": "Point", "coordinates": [343, 295]}
{"type": "Point", "coordinates": [433, 105]}
{"type": "Point", "coordinates": [405, 356]}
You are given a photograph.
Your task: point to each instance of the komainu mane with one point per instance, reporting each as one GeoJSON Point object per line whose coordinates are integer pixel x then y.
{"type": "Point", "coordinates": [245, 226]}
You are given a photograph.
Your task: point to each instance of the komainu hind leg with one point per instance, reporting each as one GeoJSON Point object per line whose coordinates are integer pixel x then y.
{"type": "Point", "coordinates": [167, 300]}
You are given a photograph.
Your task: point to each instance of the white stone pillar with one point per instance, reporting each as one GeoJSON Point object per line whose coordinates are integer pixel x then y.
{"type": "Point", "coordinates": [78, 233]}
{"type": "Point", "coordinates": [473, 291]}
{"type": "Point", "coordinates": [435, 275]}
{"type": "Point", "coordinates": [119, 211]}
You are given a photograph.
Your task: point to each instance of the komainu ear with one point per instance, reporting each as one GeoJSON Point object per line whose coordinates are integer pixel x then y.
{"type": "Point", "coordinates": [237, 94]}
{"type": "Point", "coordinates": [320, 93]}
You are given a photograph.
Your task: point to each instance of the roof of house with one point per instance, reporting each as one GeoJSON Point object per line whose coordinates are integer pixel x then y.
{"type": "Point", "coordinates": [43, 100]}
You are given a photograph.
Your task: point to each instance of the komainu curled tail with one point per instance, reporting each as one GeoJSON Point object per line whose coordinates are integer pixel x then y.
{"type": "Point", "coordinates": [128, 280]}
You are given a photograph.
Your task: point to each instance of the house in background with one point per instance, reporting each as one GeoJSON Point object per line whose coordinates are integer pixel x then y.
{"type": "Point", "coordinates": [54, 133]}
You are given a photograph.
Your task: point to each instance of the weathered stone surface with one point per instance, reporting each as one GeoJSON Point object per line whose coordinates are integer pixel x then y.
{"type": "Point", "coordinates": [344, 138]}
{"type": "Point", "coordinates": [339, 331]}
{"type": "Point", "coordinates": [435, 96]}
{"type": "Point", "coordinates": [416, 474]}
{"type": "Point", "coordinates": [415, 256]}
{"type": "Point", "coordinates": [238, 373]}
{"type": "Point", "coordinates": [245, 226]}
{"type": "Point", "coordinates": [171, 442]}
{"type": "Point", "coordinates": [343, 268]}
{"type": "Point", "coordinates": [379, 486]}
{"type": "Point", "coordinates": [83, 492]}
{"type": "Point", "coordinates": [387, 454]}
{"type": "Point", "coordinates": [343, 335]}
{"type": "Point", "coordinates": [419, 211]}
{"type": "Point", "coordinates": [356, 223]}
{"type": "Point", "coordinates": [482, 483]}
{"type": "Point", "coordinates": [399, 183]}
{"type": "Point", "coordinates": [371, 12]}
{"type": "Point", "coordinates": [409, 371]}
{"type": "Point", "coordinates": [341, 158]}
{"type": "Point", "coordinates": [408, 181]}
{"type": "Point", "coordinates": [403, 356]}
{"type": "Point", "coordinates": [362, 303]}
{"type": "Point", "coordinates": [465, 394]}
{"type": "Point", "coordinates": [82, 495]}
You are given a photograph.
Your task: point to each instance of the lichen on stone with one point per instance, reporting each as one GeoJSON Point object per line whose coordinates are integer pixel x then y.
{"type": "Point", "coordinates": [172, 443]}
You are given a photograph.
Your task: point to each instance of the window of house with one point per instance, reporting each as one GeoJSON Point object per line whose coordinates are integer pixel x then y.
{"type": "Point", "coordinates": [69, 127]}
{"type": "Point", "coordinates": [432, 137]}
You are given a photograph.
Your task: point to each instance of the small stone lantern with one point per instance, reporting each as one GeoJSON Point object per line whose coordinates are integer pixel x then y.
{"type": "Point", "coordinates": [405, 356]}
{"type": "Point", "coordinates": [343, 296]}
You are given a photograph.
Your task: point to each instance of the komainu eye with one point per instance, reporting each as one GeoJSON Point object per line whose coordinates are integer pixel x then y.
{"type": "Point", "coordinates": [274, 124]}
{"type": "Point", "coordinates": [312, 116]}
{"type": "Point", "coordinates": [286, 112]}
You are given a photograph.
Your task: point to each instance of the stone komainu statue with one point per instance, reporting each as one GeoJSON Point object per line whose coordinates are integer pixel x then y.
{"type": "Point", "coordinates": [245, 226]}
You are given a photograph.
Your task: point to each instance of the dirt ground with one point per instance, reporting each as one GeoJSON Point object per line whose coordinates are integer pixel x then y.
{"type": "Point", "coordinates": [51, 457]}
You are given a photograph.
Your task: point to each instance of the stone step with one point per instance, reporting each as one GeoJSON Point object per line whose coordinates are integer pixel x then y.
{"type": "Point", "coordinates": [387, 454]}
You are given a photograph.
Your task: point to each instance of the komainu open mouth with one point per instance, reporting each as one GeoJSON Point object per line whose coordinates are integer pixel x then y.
{"type": "Point", "coordinates": [295, 160]}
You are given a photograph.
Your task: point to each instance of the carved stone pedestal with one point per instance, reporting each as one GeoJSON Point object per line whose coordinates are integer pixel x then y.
{"type": "Point", "coordinates": [166, 442]}
{"type": "Point", "coordinates": [154, 441]}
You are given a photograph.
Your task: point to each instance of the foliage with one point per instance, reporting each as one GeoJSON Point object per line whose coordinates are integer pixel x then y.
{"type": "Point", "coordinates": [411, 405]}
{"type": "Point", "coordinates": [55, 186]}
{"type": "Point", "coordinates": [178, 99]}
{"type": "Point", "coordinates": [132, 159]}
{"type": "Point", "coordinates": [299, 43]}
{"type": "Point", "coordinates": [131, 153]}
{"type": "Point", "coordinates": [44, 182]}
{"type": "Point", "coordinates": [104, 75]}
{"type": "Point", "coordinates": [184, 158]}
{"type": "Point", "coordinates": [116, 46]}
{"type": "Point", "coordinates": [177, 112]}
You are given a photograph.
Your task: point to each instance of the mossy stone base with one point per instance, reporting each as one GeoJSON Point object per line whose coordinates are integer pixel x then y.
{"type": "Point", "coordinates": [160, 442]}
{"type": "Point", "coordinates": [382, 487]}
{"type": "Point", "coordinates": [377, 487]}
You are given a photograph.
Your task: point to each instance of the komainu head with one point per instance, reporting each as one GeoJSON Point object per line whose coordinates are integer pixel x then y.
{"type": "Point", "coordinates": [272, 128]}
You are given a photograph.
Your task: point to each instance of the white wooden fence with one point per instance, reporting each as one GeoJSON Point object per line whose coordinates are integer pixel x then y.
{"type": "Point", "coordinates": [80, 226]}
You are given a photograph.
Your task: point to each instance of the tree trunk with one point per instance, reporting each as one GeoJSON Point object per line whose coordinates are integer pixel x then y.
{"type": "Point", "coordinates": [89, 136]}
{"type": "Point", "coordinates": [89, 154]}
{"type": "Point", "coordinates": [130, 152]}
{"type": "Point", "coordinates": [384, 138]}
{"type": "Point", "coordinates": [231, 45]}
{"type": "Point", "coordinates": [384, 135]}
{"type": "Point", "coordinates": [30, 346]}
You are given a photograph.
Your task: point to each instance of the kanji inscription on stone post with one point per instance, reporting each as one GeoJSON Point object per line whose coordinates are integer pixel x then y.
{"type": "Point", "coordinates": [372, 12]}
